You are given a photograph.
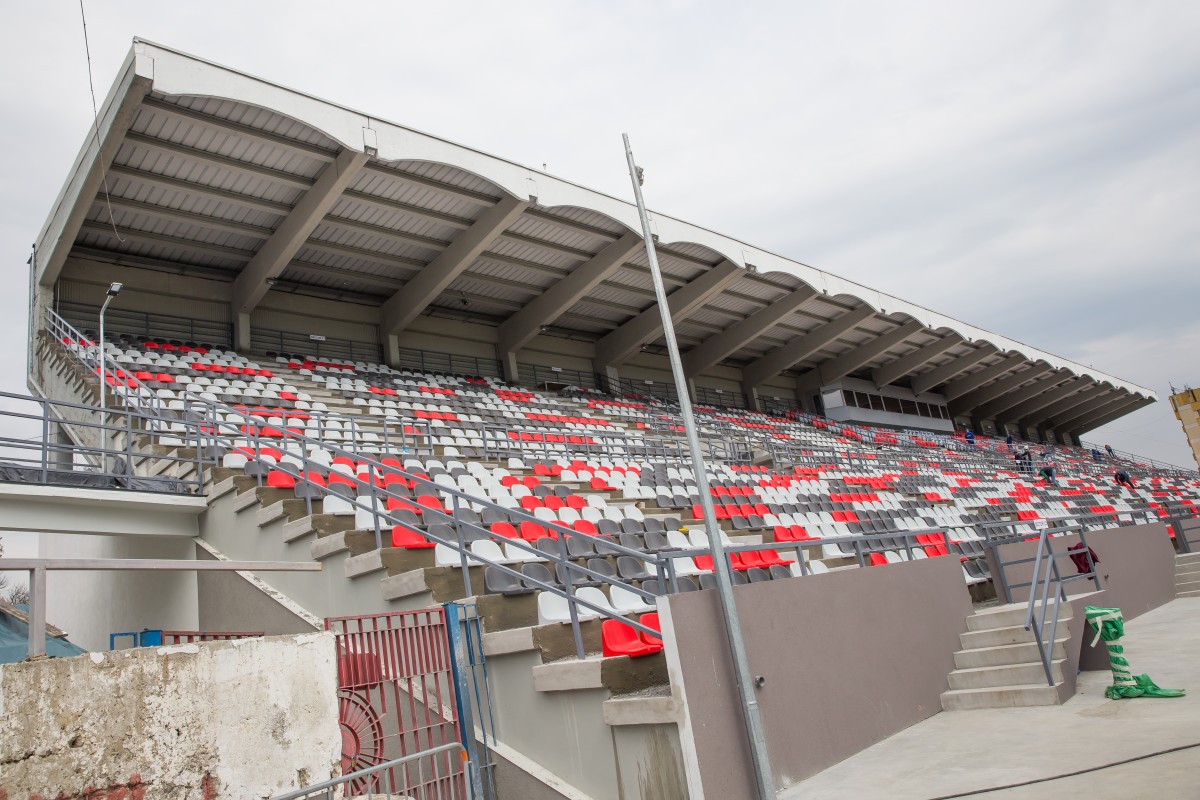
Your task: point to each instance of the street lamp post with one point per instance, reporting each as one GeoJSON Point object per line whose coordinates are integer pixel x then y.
{"type": "Point", "coordinates": [745, 680]}
{"type": "Point", "coordinates": [113, 290]}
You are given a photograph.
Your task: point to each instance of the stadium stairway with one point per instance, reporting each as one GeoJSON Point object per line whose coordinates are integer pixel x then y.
{"type": "Point", "coordinates": [999, 665]}
{"type": "Point", "coordinates": [1187, 575]}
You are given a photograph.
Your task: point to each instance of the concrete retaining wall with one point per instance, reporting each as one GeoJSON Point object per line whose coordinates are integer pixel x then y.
{"type": "Point", "coordinates": [250, 718]}
{"type": "Point", "coordinates": [848, 658]}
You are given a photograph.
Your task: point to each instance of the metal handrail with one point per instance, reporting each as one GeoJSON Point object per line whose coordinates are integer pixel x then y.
{"type": "Point", "coordinates": [365, 774]}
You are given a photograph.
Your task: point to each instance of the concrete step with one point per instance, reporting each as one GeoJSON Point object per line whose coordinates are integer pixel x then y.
{"type": "Point", "coordinates": [1004, 655]}
{"type": "Point", "coordinates": [1186, 586]}
{"type": "Point", "coordinates": [996, 637]}
{"type": "Point", "coordinates": [1039, 694]}
{"type": "Point", "coordinates": [1187, 569]}
{"type": "Point", "coordinates": [1003, 675]}
{"type": "Point", "coordinates": [1006, 617]}
{"type": "Point", "coordinates": [1189, 593]}
{"type": "Point", "coordinates": [1187, 558]}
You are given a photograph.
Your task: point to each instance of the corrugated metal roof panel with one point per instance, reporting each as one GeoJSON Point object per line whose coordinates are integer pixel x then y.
{"type": "Point", "coordinates": [551, 232]}
{"type": "Point", "coordinates": [509, 272]}
{"type": "Point", "coordinates": [390, 187]}
{"type": "Point", "coordinates": [397, 220]}
{"type": "Point", "coordinates": [191, 202]}
{"type": "Point", "coordinates": [205, 138]}
{"type": "Point", "coordinates": [587, 217]}
{"type": "Point", "coordinates": [193, 170]}
{"type": "Point", "coordinates": [450, 175]}
{"type": "Point", "coordinates": [254, 117]}
{"type": "Point", "coordinates": [376, 243]}
{"type": "Point", "coordinates": [527, 252]}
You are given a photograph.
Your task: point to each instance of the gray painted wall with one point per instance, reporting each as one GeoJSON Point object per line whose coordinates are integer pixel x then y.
{"type": "Point", "coordinates": [849, 658]}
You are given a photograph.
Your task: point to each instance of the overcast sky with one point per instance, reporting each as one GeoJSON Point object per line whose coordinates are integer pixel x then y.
{"type": "Point", "coordinates": [1030, 167]}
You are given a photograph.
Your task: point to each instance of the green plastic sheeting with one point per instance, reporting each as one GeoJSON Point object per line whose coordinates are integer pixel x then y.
{"type": "Point", "coordinates": [1109, 625]}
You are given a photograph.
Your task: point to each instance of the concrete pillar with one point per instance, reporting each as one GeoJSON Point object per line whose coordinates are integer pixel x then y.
{"type": "Point", "coordinates": [508, 362]}
{"type": "Point", "coordinates": [391, 350]}
{"type": "Point", "coordinates": [613, 376]}
{"type": "Point", "coordinates": [241, 332]}
{"type": "Point", "coordinates": [753, 401]}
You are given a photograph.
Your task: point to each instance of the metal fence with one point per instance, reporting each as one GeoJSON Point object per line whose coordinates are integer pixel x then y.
{"type": "Point", "coordinates": [396, 697]}
{"type": "Point", "coordinates": [276, 341]}
{"type": "Point", "coordinates": [417, 776]}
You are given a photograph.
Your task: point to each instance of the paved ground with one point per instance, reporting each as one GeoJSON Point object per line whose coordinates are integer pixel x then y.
{"type": "Point", "coordinates": [971, 753]}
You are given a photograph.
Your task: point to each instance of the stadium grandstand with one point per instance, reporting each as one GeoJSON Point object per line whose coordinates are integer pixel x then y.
{"type": "Point", "coordinates": [288, 331]}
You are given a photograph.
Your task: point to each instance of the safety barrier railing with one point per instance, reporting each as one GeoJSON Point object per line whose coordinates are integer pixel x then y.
{"type": "Point", "coordinates": [1049, 580]}
{"type": "Point", "coordinates": [427, 775]}
{"type": "Point", "coordinates": [114, 455]}
{"type": "Point", "coordinates": [1125, 455]}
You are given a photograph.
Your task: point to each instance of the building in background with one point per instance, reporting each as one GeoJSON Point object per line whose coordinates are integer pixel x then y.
{"type": "Point", "coordinates": [1187, 409]}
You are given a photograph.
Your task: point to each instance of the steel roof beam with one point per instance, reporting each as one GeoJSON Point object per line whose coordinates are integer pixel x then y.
{"type": "Point", "coordinates": [857, 358]}
{"type": "Point", "coordinates": [271, 259]}
{"type": "Point", "coordinates": [1100, 400]}
{"type": "Point", "coordinates": [893, 371]}
{"type": "Point", "coordinates": [288, 179]}
{"type": "Point", "coordinates": [926, 381]}
{"type": "Point", "coordinates": [406, 305]}
{"type": "Point", "coordinates": [132, 234]}
{"type": "Point", "coordinates": [971, 402]}
{"type": "Point", "coordinates": [191, 188]}
{"type": "Point", "coordinates": [776, 361]}
{"type": "Point", "coordinates": [1058, 408]}
{"type": "Point", "coordinates": [1040, 402]}
{"type": "Point", "coordinates": [716, 348]}
{"type": "Point", "coordinates": [559, 297]}
{"type": "Point", "coordinates": [616, 347]}
{"type": "Point", "coordinates": [993, 408]}
{"type": "Point", "coordinates": [189, 217]}
{"type": "Point", "coordinates": [117, 114]}
{"type": "Point", "coordinates": [1101, 419]}
{"type": "Point", "coordinates": [961, 386]}
{"type": "Point", "coordinates": [1120, 404]}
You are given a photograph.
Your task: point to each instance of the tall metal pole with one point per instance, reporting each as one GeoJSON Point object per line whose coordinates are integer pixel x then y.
{"type": "Point", "coordinates": [100, 354]}
{"type": "Point", "coordinates": [733, 628]}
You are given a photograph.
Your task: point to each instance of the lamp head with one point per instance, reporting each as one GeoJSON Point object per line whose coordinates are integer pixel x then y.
{"type": "Point", "coordinates": [115, 289]}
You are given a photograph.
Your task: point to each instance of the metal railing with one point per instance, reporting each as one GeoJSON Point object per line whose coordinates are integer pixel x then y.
{"type": "Point", "coordinates": [141, 323]}
{"type": "Point", "coordinates": [319, 347]}
{"type": "Point", "coordinates": [1141, 460]}
{"type": "Point", "coordinates": [422, 776]}
{"type": "Point", "coordinates": [111, 462]}
{"type": "Point", "coordinates": [1052, 585]}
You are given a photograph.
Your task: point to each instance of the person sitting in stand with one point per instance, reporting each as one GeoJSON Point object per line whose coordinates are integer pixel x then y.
{"type": "Point", "coordinates": [1095, 455]}
{"type": "Point", "coordinates": [970, 437]}
{"type": "Point", "coordinates": [1008, 440]}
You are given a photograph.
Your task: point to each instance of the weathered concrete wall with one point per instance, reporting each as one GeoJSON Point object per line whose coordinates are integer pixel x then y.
{"type": "Point", "coordinates": [241, 719]}
{"type": "Point", "coordinates": [847, 659]}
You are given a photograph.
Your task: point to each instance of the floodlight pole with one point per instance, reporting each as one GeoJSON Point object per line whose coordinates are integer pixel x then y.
{"type": "Point", "coordinates": [733, 628]}
{"type": "Point", "coordinates": [100, 350]}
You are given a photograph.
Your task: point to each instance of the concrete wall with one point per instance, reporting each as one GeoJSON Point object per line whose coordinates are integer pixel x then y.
{"type": "Point", "coordinates": [91, 605]}
{"type": "Point", "coordinates": [229, 601]}
{"type": "Point", "coordinates": [225, 719]}
{"type": "Point", "coordinates": [848, 657]}
{"type": "Point", "coordinates": [1137, 566]}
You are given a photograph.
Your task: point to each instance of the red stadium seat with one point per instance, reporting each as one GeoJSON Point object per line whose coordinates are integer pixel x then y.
{"type": "Point", "coordinates": [619, 639]}
{"type": "Point", "coordinates": [410, 540]}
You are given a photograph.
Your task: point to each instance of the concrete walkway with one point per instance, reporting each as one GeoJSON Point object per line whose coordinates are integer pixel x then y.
{"type": "Point", "coordinates": [971, 753]}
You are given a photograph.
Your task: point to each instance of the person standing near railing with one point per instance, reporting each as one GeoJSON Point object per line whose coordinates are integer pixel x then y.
{"type": "Point", "coordinates": [1111, 453]}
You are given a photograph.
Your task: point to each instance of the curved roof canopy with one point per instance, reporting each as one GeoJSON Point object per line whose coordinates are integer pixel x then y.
{"type": "Point", "coordinates": [215, 173]}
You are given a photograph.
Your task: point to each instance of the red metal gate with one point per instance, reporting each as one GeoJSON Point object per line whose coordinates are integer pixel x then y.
{"type": "Point", "coordinates": [396, 698]}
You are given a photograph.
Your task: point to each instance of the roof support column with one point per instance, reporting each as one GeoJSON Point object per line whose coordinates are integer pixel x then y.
{"type": "Point", "coordinates": [1122, 404]}
{"type": "Point", "coordinates": [844, 364]}
{"type": "Point", "coordinates": [616, 348]}
{"type": "Point", "coordinates": [516, 331]}
{"type": "Point", "coordinates": [891, 372]}
{"type": "Point", "coordinates": [771, 364]}
{"type": "Point", "coordinates": [939, 375]}
{"type": "Point", "coordinates": [721, 345]}
{"type": "Point", "coordinates": [409, 301]}
{"type": "Point", "coordinates": [276, 253]}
